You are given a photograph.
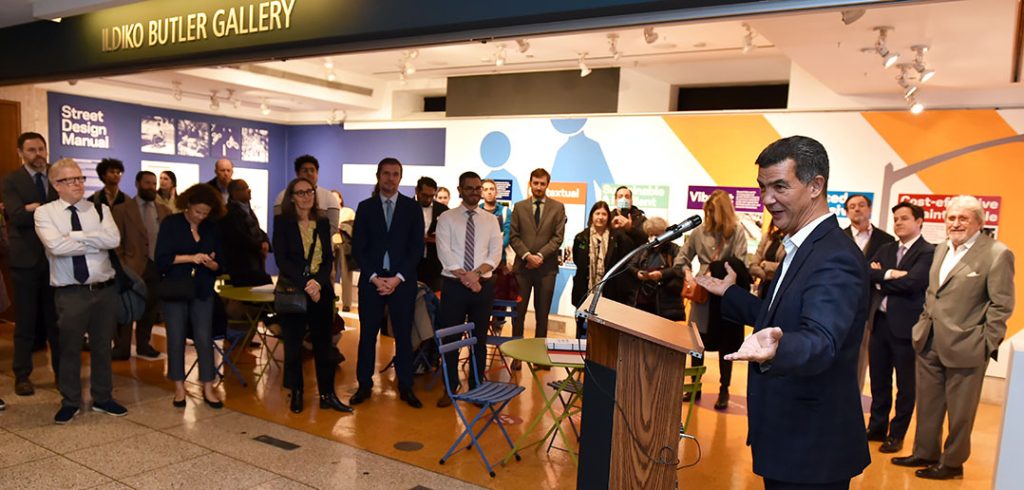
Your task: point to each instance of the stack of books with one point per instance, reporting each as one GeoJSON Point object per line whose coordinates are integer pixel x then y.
{"type": "Point", "coordinates": [566, 351]}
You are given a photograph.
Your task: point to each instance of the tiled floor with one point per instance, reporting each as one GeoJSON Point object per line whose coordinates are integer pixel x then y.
{"type": "Point", "coordinates": [159, 446]}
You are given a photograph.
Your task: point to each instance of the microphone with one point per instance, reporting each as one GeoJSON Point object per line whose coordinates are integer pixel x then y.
{"type": "Point", "coordinates": [677, 230]}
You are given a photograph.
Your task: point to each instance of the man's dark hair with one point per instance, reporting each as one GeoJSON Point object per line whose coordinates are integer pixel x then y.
{"type": "Point", "coordinates": [809, 155]}
{"type": "Point", "coordinates": [425, 182]}
{"type": "Point", "coordinates": [388, 161]}
{"type": "Point", "coordinates": [624, 187]}
{"type": "Point", "coordinates": [468, 175]}
{"type": "Point", "coordinates": [142, 173]}
{"type": "Point", "coordinates": [108, 164]}
{"type": "Point", "coordinates": [849, 198]}
{"type": "Point", "coordinates": [234, 185]}
{"type": "Point", "coordinates": [304, 159]}
{"type": "Point", "coordinates": [29, 136]}
{"type": "Point", "coordinates": [539, 173]}
{"type": "Point", "coordinates": [915, 210]}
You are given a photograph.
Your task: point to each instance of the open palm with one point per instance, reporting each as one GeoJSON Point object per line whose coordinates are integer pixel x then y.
{"type": "Point", "coordinates": [759, 347]}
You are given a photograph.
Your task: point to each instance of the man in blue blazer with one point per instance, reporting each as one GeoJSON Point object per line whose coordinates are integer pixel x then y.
{"type": "Point", "coordinates": [805, 425]}
{"type": "Point", "coordinates": [387, 243]}
{"type": "Point", "coordinates": [899, 273]}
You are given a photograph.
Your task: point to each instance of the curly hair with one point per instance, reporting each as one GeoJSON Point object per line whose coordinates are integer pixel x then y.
{"type": "Point", "coordinates": [202, 194]}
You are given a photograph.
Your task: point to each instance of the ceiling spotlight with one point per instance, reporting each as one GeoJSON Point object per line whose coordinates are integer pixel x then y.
{"type": "Point", "coordinates": [923, 72]}
{"type": "Point", "coordinates": [214, 103]}
{"type": "Point", "coordinates": [73, 82]}
{"type": "Point", "coordinates": [748, 39]}
{"type": "Point", "coordinates": [649, 35]}
{"type": "Point", "coordinates": [584, 69]}
{"type": "Point", "coordinates": [852, 15]}
{"type": "Point", "coordinates": [905, 80]}
{"type": "Point", "coordinates": [231, 98]}
{"type": "Point", "coordinates": [613, 46]}
{"type": "Point", "coordinates": [331, 76]}
{"type": "Point", "coordinates": [401, 78]}
{"type": "Point", "coordinates": [889, 58]}
{"type": "Point", "coordinates": [176, 92]}
{"type": "Point", "coordinates": [332, 118]}
{"type": "Point", "coordinates": [328, 64]}
{"type": "Point", "coordinates": [264, 108]}
{"type": "Point", "coordinates": [405, 62]}
{"type": "Point", "coordinates": [524, 45]}
{"type": "Point", "coordinates": [915, 106]}
{"type": "Point", "coordinates": [499, 55]}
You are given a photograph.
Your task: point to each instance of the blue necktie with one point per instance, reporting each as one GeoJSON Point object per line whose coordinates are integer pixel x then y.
{"type": "Point", "coordinates": [81, 268]}
{"type": "Point", "coordinates": [41, 187]}
{"type": "Point", "coordinates": [389, 212]}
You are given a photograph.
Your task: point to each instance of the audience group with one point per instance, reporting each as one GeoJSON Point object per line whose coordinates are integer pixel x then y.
{"type": "Point", "coordinates": [66, 251]}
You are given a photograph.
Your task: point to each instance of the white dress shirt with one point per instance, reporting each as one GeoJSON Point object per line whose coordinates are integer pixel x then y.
{"type": "Point", "coordinates": [953, 256]}
{"type": "Point", "coordinates": [451, 240]}
{"type": "Point", "coordinates": [53, 225]}
{"type": "Point", "coordinates": [861, 237]}
{"type": "Point", "coordinates": [792, 243]}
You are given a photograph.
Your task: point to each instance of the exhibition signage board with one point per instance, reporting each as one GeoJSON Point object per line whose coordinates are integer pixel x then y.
{"type": "Point", "coordinates": [934, 205]}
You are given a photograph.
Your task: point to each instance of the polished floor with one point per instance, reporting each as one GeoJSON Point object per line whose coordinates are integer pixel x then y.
{"type": "Point", "coordinates": [384, 444]}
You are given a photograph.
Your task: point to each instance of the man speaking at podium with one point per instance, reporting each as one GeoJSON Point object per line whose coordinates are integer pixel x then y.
{"type": "Point", "coordinates": [805, 422]}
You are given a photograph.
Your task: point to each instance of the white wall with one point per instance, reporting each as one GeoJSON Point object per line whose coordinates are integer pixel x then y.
{"type": "Point", "coordinates": [639, 92]}
{"type": "Point", "coordinates": [33, 106]}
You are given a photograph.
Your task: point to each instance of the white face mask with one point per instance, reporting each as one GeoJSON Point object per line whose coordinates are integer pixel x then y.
{"type": "Point", "coordinates": [623, 203]}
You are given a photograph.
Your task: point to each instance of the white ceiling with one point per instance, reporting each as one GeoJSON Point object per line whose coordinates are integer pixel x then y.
{"type": "Point", "coordinates": [971, 47]}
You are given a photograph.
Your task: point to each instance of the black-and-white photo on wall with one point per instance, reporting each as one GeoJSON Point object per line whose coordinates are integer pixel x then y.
{"type": "Point", "coordinates": [157, 135]}
{"type": "Point", "coordinates": [193, 138]}
{"type": "Point", "coordinates": [255, 145]}
{"type": "Point", "coordinates": [225, 142]}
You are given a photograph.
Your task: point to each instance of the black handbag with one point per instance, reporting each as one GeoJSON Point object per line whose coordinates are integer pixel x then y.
{"type": "Point", "coordinates": [177, 289]}
{"type": "Point", "coordinates": [291, 298]}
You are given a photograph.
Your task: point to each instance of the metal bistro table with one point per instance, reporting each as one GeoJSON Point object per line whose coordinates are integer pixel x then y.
{"type": "Point", "coordinates": [535, 353]}
{"type": "Point", "coordinates": [263, 304]}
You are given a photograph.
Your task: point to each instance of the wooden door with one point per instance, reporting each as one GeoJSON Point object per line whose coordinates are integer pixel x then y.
{"type": "Point", "coordinates": [10, 128]}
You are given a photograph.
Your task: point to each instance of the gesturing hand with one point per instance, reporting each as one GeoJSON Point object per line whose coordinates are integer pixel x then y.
{"type": "Point", "coordinates": [759, 347]}
{"type": "Point", "coordinates": [718, 286]}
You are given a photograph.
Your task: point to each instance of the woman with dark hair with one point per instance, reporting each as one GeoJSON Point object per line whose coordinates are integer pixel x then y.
{"type": "Point", "coordinates": [595, 250]}
{"type": "Point", "coordinates": [302, 249]}
{"type": "Point", "coordinates": [660, 275]}
{"type": "Point", "coordinates": [188, 248]}
{"type": "Point", "coordinates": [720, 237]}
{"type": "Point", "coordinates": [167, 194]}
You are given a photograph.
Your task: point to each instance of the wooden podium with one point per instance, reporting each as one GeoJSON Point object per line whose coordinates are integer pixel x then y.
{"type": "Point", "coordinates": [632, 397]}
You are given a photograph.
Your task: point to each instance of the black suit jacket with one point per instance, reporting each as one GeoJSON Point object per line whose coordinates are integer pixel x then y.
{"type": "Point", "coordinates": [430, 265]}
{"type": "Point", "coordinates": [175, 238]}
{"type": "Point", "coordinates": [291, 256]}
{"type": "Point", "coordinates": [403, 242]}
{"type": "Point", "coordinates": [877, 239]}
{"type": "Point", "coordinates": [804, 411]}
{"type": "Point", "coordinates": [906, 294]}
{"type": "Point", "coordinates": [26, 251]}
{"type": "Point", "coordinates": [244, 238]}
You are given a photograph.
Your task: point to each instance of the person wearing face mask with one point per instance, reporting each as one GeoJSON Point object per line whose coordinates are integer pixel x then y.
{"type": "Point", "coordinates": [138, 219]}
{"type": "Point", "coordinates": [594, 251]}
{"type": "Point", "coordinates": [630, 219]}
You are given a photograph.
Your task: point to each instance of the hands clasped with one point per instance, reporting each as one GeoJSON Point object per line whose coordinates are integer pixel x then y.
{"type": "Point", "coordinates": [386, 285]}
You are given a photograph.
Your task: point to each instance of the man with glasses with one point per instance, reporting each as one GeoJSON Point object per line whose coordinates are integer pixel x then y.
{"type": "Point", "coordinates": [24, 190]}
{"type": "Point", "coordinates": [78, 244]}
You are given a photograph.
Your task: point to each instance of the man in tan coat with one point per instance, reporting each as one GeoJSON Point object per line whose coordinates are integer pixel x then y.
{"type": "Point", "coordinates": [969, 299]}
{"type": "Point", "coordinates": [138, 220]}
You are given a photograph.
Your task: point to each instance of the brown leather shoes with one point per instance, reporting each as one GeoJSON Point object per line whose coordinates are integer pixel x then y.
{"type": "Point", "coordinates": [23, 387]}
{"type": "Point", "coordinates": [445, 401]}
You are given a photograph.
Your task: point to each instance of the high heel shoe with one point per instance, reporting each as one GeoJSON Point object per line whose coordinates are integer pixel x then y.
{"type": "Point", "coordinates": [212, 404]}
{"type": "Point", "coordinates": [179, 403]}
{"type": "Point", "coordinates": [296, 404]}
{"type": "Point", "coordinates": [331, 401]}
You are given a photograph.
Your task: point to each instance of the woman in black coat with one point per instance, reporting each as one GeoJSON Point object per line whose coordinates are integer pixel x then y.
{"type": "Point", "coordinates": [597, 241]}
{"type": "Point", "coordinates": [660, 276]}
{"type": "Point", "coordinates": [302, 245]}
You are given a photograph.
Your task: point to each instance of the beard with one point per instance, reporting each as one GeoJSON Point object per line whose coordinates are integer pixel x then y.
{"type": "Point", "coordinates": [147, 194]}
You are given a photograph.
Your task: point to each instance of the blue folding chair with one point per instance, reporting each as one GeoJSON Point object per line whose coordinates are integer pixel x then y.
{"type": "Point", "coordinates": [504, 309]}
{"type": "Point", "coordinates": [486, 394]}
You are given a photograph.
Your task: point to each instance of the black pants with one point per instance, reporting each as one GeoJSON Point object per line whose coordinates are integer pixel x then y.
{"type": "Point", "coordinates": [459, 305]}
{"type": "Point", "coordinates": [143, 327]}
{"type": "Point", "coordinates": [79, 309]}
{"type": "Point", "coordinates": [400, 305]}
{"type": "Point", "coordinates": [783, 485]}
{"type": "Point", "coordinates": [885, 354]}
{"type": "Point", "coordinates": [724, 368]}
{"type": "Point", "coordinates": [317, 319]}
{"type": "Point", "coordinates": [33, 297]}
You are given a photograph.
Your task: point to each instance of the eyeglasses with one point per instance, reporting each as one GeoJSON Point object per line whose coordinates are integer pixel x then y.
{"type": "Point", "coordinates": [72, 180]}
{"type": "Point", "coordinates": [304, 193]}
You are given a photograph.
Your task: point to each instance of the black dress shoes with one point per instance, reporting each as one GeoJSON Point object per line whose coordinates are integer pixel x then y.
{"type": "Point", "coordinates": [723, 401]}
{"type": "Point", "coordinates": [939, 472]}
{"type": "Point", "coordinates": [296, 404]}
{"type": "Point", "coordinates": [913, 461]}
{"type": "Point", "coordinates": [216, 405]}
{"type": "Point", "coordinates": [687, 396]}
{"type": "Point", "coordinates": [23, 387]}
{"type": "Point", "coordinates": [891, 445]}
{"type": "Point", "coordinates": [409, 397]}
{"type": "Point", "coordinates": [876, 436]}
{"type": "Point", "coordinates": [361, 395]}
{"type": "Point", "coordinates": [332, 402]}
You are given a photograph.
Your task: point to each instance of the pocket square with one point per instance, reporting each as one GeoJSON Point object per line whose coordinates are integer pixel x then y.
{"type": "Point", "coordinates": [973, 274]}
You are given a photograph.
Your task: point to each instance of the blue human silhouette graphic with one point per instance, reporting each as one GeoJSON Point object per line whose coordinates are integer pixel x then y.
{"type": "Point", "coordinates": [580, 159]}
{"type": "Point", "coordinates": [495, 150]}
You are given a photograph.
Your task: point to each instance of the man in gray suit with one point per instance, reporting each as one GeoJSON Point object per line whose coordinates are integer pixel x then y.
{"type": "Point", "coordinates": [24, 190]}
{"type": "Point", "coordinates": [969, 299]}
{"type": "Point", "coordinates": [538, 227]}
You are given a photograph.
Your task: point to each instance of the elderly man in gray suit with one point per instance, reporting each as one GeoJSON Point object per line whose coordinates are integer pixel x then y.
{"type": "Point", "coordinates": [538, 227]}
{"type": "Point", "coordinates": [969, 299]}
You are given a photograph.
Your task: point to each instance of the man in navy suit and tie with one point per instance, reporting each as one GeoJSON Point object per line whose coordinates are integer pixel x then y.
{"type": "Point", "coordinates": [899, 273]}
{"type": "Point", "coordinates": [805, 425]}
{"type": "Point", "coordinates": [387, 243]}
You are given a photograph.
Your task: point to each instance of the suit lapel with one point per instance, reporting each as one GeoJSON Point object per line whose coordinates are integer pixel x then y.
{"type": "Point", "coordinates": [793, 269]}
{"type": "Point", "coordinates": [968, 257]}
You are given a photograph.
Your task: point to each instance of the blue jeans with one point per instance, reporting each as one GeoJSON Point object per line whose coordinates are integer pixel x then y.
{"type": "Point", "coordinates": [177, 316]}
